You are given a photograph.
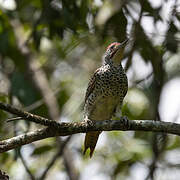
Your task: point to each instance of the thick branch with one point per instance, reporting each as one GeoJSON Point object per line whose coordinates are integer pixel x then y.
{"type": "Point", "coordinates": [65, 129]}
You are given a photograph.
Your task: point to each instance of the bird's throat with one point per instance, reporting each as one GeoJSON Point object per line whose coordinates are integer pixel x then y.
{"type": "Point", "coordinates": [118, 56]}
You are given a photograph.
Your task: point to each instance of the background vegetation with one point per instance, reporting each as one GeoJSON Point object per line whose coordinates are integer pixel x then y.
{"type": "Point", "coordinates": [48, 51]}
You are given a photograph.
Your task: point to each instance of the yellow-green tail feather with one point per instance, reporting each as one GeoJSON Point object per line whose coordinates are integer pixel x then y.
{"type": "Point", "coordinates": [90, 141]}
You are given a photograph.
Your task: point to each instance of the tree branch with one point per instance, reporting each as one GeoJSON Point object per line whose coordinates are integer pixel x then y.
{"type": "Point", "coordinates": [64, 129]}
{"type": "Point", "coordinates": [26, 138]}
{"type": "Point", "coordinates": [26, 115]}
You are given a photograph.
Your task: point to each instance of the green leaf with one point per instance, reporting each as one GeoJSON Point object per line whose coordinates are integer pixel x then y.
{"type": "Point", "coordinates": [174, 143]}
{"type": "Point", "coordinates": [116, 26]}
{"type": "Point", "coordinates": [23, 89]}
{"type": "Point", "coordinates": [41, 150]}
{"type": "Point", "coordinates": [4, 157]}
{"type": "Point", "coordinates": [171, 42]}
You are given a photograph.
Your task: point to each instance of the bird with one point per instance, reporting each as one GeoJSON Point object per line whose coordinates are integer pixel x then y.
{"type": "Point", "coordinates": [105, 92]}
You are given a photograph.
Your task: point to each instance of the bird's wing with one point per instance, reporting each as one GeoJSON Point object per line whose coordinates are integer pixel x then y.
{"type": "Point", "coordinates": [91, 84]}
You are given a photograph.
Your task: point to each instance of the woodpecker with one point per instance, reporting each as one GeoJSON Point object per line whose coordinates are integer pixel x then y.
{"type": "Point", "coordinates": [106, 91]}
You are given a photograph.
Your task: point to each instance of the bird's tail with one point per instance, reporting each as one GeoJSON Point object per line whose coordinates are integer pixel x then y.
{"type": "Point", "coordinates": [90, 141]}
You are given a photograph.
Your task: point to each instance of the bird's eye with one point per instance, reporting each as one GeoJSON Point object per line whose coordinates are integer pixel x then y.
{"type": "Point", "coordinates": [112, 47]}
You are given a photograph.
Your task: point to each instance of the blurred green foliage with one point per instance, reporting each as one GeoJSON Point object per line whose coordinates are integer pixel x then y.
{"type": "Point", "coordinates": [68, 39]}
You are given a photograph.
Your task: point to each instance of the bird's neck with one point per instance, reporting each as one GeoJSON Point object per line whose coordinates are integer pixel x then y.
{"type": "Point", "coordinates": [109, 62]}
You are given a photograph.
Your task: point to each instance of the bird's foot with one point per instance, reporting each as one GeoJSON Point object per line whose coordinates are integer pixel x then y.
{"type": "Point", "coordinates": [126, 122]}
{"type": "Point", "coordinates": [125, 118]}
{"type": "Point", "coordinates": [89, 122]}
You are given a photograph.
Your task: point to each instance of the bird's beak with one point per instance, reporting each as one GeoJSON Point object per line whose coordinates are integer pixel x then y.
{"type": "Point", "coordinates": [119, 52]}
{"type": "Point", "coordinates": [123, 44]}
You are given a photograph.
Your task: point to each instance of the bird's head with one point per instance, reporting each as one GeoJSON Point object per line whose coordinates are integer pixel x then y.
{"type": "Point", "coordinates": [115, 51]}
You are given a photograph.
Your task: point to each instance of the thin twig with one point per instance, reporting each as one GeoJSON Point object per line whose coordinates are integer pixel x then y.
{"type": "Point", "coordinates": [69, 165]}
{"type": "Point", "coordinates": [26, 166]}
{"type": "Point", "coordinates": [55, 158]}
{"type": "Point", "coordinates": [14, 119]}
{"type": "Point", "coordinates": [28, 116]}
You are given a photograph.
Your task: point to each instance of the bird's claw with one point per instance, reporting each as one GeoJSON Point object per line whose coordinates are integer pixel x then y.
{"type": "Point", "coordinates": [125, 118]}
{"type": "Point", "coordinates": [126, 121]}
{"type": "Point", "coordinates": [89, 122]}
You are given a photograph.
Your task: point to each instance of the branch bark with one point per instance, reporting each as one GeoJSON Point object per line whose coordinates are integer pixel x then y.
{"type": "Point", "coordinates": [64, 129]}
